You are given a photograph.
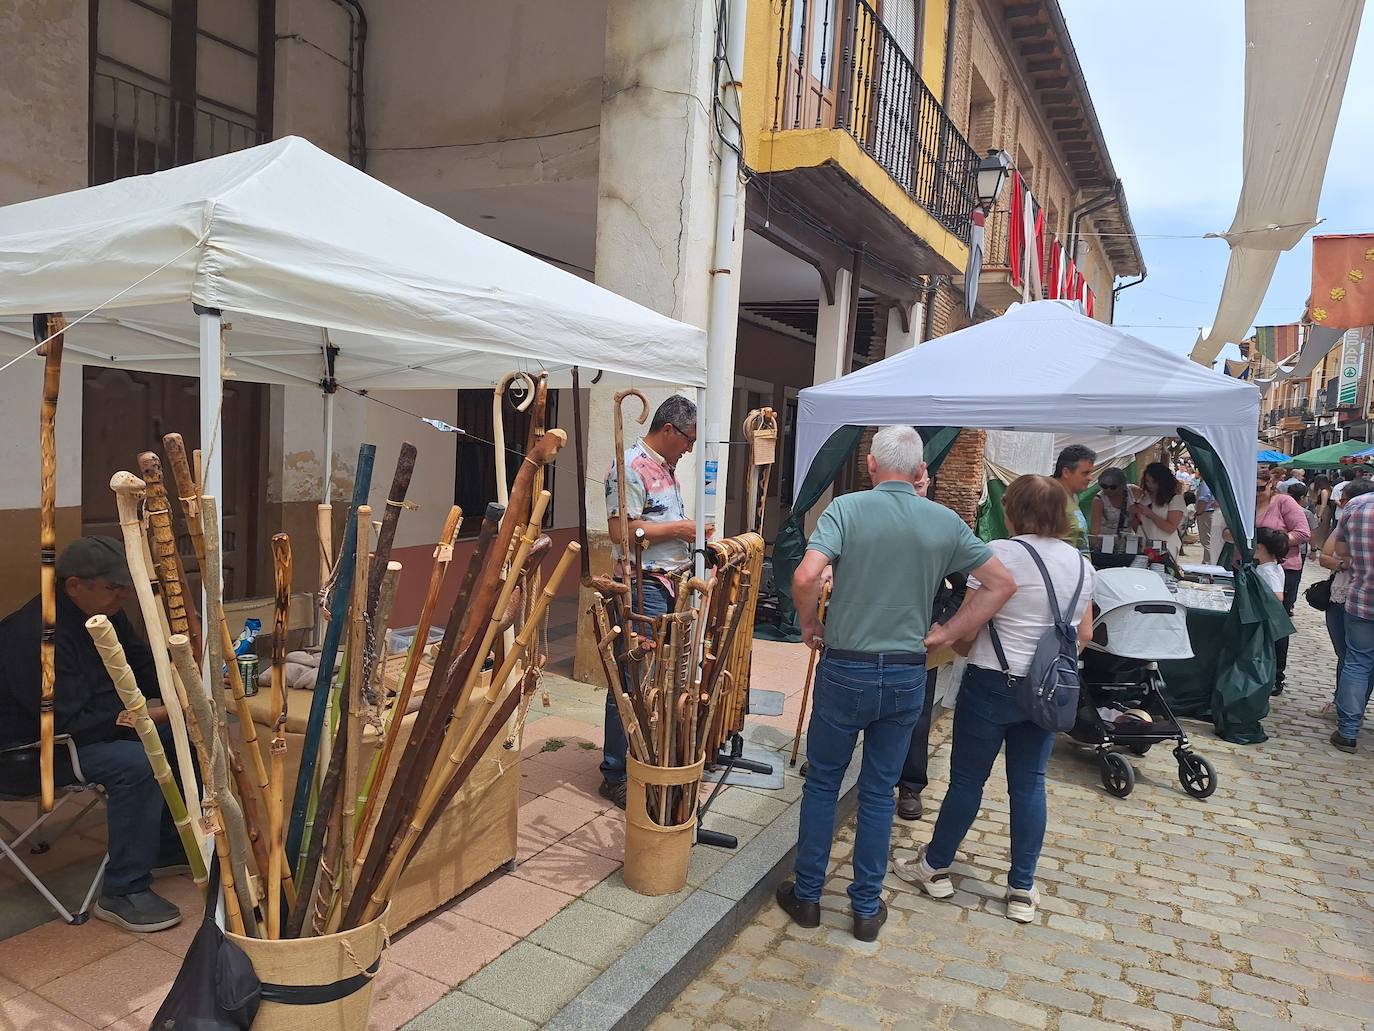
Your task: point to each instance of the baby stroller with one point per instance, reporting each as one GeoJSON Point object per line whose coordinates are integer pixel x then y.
{"type": "Point", "coordinates": [1122, 705]}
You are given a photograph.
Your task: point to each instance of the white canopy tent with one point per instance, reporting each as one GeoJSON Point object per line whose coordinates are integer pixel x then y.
{"type": "Point", "coordinates": [1043, 367]}
{"type": "Point", "coordinates": [306, 253]}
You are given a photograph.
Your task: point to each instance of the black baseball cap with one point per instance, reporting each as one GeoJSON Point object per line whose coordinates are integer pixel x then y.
{"type": "Point", "coordinates": [95, 558]}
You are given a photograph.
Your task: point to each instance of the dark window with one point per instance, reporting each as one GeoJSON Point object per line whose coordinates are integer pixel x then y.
{"type": "Point", "coordinates": [475, 474]}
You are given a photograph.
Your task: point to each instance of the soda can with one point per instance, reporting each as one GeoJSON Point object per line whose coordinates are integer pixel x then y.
{"type": "Point", "coordinates": [248, 672]}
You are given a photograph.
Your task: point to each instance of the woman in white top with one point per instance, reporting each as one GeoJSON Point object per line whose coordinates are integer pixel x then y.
{"type": "Point", "coordinates": [1112, 506]}
{"type": "Point", "coordinates": [987, 714]}
{"type": "Point", "coordinates": [1160, 512]}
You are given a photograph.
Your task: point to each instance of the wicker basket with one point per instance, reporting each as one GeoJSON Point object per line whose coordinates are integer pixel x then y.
{"type": "Point", "coordinates": [656, 857]}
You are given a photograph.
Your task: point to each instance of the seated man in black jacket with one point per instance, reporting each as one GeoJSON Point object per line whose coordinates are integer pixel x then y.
{"type": "Point", "coordinates": [93, 579]}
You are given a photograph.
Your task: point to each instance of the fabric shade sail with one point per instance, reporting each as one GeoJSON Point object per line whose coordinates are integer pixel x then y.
{"type": "Point", "coordinates": [1268, 456]}
{"type": "Point", "coordinates": [1328, 456]}
{"type": "Point", "coordinates": [1042, 367]}
{"type": "Point", "coordinates": [300, 250]}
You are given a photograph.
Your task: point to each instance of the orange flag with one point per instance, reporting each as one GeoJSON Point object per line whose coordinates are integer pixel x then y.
{"type": "Point", "coordinates": [1343, 281]}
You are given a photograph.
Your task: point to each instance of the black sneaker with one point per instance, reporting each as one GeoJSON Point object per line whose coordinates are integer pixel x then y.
{"type": "Point", "coordinates": [141, 912]}
{"type": "Point", "coordinates": [909, 804]}
{"type": "Point", "coordinates": [866, 927]}
{"type": "Point", "coordinates": [1345, 744]}
{"type": "Point", "coordinates": [613, 791]}
{"type": "Point", "coordinates": [803, 914]}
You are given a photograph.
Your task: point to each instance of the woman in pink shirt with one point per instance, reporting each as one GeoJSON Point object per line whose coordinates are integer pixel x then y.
{"type": "Point", "coordinates": [1280, 512]}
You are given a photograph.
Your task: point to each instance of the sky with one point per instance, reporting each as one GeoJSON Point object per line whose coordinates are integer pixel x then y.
{"type": "Point", "coordinates": [1167, 79]}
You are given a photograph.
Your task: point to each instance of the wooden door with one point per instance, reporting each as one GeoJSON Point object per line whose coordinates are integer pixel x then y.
{"type": "Point", "coordinates": [812, 65]}
{"type": "Point", "coordinates": [125, 413]}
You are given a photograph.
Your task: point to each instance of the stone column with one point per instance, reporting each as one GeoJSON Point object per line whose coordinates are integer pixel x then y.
{"type": "Point", "coordinates": [655, 219]}
{"type": "Point", "coordinates": [833, 350]}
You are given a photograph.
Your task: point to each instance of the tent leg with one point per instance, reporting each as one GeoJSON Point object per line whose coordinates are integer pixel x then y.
{"type": "Point", "coordinates": [699, 551]}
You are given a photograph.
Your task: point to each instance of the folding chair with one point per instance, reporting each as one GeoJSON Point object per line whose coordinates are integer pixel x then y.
{"type": "Point", "coordinates": [19, 783]}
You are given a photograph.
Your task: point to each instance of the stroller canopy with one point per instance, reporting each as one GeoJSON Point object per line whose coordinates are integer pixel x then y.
{"type": "Point", "coordinates": [1142, 619]}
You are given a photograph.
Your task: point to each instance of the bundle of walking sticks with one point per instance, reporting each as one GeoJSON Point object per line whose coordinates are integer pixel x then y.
{"type": "Point", "coordinates": [669, 674]}
{"type": "Point", "coordinates": [332, 846]}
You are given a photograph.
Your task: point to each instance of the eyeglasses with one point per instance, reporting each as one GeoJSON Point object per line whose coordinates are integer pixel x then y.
{"type": "Point", "coordinates": [691, 438]}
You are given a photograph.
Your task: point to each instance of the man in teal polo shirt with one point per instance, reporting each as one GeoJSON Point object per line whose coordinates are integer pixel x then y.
{"type": "Point", "coordinates": [890, 549]}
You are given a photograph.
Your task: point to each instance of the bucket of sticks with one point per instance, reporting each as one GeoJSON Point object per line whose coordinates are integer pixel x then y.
{"type": "Point", "coordinates": [319, 984]}
{"type": "Point", "coordinates": [657, 854]}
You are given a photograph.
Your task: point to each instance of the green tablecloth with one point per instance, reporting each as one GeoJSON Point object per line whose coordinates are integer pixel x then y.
{"type": "Point", "coordinates": [1190, 685]}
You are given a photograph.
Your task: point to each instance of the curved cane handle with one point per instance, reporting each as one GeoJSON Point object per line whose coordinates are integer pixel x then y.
{"type": "Point", "coordinates": [643, 403]}
{"type": "Point", "coordinates": [510, 378]}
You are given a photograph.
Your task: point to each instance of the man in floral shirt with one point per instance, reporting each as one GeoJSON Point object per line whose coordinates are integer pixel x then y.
{"type": "Point", "coordinates": [653, 502]}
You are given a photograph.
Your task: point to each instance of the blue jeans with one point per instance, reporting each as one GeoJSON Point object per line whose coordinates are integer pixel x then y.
{"type": "Point", "coordinates": [883, 702]}
{"type": "Point", "coordinates": [1335, 629]}
{"type": "Point", "coordinates": [614, 746]}
{"type": "Point", "coordinates": [1353, 688]}
{"type": "Point", "coordinates": [986, 715]}
{"type": "Point", "coordinates": [139, 830]}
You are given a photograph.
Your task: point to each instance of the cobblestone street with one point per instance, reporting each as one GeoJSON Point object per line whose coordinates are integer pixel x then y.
{"type": "Point", "coordinates": [1252, 911]}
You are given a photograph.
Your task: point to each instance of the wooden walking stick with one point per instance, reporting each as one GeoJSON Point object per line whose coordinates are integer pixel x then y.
{"type": "Point", "coordinates": [395, 502]}
{"type": "Point", "coordinates": [443, 555]}
{"type": "Point", "coordinates": [357, 671]}
{"type": "Point", "coordinates": [181, 609]}
{"type": "Point", "coordinates": [628, 558]}
{"type": "Point", "coordinates": [276, 797]}
{"type": "Point", "coordinates": [112, 655]}
{"type": "Point", "coordinates": [319, 704]}
{"type": "Point", "coordinates": [498, 426]}
{"type": "Point", "coordinates": [580, 453]}
{"type": "Point", "coordinates": [822, 604]}
{"type": "Point", "coordinates": [189, 495]}
{"type": "Point", "coordinates": [221, 808]}
{"type": "Point", "coordinates": [128, 491]}
{"type": "Point", "coordinates": [45, 326]}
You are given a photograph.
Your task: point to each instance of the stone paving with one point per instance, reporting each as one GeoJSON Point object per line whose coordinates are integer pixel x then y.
{"type": "Point", "coordinates": [1251, 911]}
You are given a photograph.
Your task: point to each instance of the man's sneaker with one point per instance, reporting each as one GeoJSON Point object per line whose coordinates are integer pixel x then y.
{"type": "Point", "coordinates": [1326, 712]}
{"type": "Point", "coordinates": [917, 871]}
{"type": "Point", "coordinates": [909, 803]}
{"type": "Point", "coordinates": [613, 791]}
{"type": "Point", "coordinates": [1345, 744]}
{"type": "Point", "coordinates": [1021, 904]}
{"type": "Point", "coordinates": [142, 912]}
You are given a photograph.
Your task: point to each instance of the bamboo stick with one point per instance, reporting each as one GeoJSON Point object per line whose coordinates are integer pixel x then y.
{"type": "Point", "coordinates": [45, 326]}
{"type": "Point", "coordinates": [112, 655]}
{"type": "Point", "coordinates": [128, 491]}
{"type": "Point", "coordinates": [357, 646]}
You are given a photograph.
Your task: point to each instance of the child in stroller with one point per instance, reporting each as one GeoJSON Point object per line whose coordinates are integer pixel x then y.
{"type": "Point", "coordinates": [1138, 622]}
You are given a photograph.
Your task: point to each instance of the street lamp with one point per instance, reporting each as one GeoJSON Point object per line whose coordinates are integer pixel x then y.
{"type": "Point", "coordinates": [992, 176]}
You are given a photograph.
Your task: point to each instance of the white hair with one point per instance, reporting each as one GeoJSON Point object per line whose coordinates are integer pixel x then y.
{"type": "Point", "coordinates": [898, 449]}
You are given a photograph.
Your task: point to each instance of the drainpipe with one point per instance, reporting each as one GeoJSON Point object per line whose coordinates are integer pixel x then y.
{"type": "Point", "coordinates": [1116, 290]}
{"type": "Point", "coordinates": [1087, 208]}
{"type": "Point", "coordinates": [949, 54]}
{"type": "Point", "coordinates": [357, 54]}
{"type": "Point", "coordinates": [724, 314]}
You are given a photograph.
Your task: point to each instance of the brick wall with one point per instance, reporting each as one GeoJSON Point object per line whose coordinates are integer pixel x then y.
{"type": "Point", "coordinates": [959, 484]}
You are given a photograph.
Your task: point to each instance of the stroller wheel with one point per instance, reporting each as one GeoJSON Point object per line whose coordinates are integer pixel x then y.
{"type": "Point", "coordinates": [1196, 775]}
{"type": "Point", "coordinates": [1118, 776]}
{"type": "Point", "coordinates": [1139, 749]}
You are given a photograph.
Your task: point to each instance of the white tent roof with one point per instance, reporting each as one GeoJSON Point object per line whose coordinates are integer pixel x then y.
{"type": "Point", "coordinates": [1044, 367]}
{"type": "Point", "coordinates": [295, 247]}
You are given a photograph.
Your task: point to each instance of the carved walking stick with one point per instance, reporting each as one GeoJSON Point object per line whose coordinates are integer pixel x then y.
{"type": "Point", "coordinates": [443, 555]}
{"type": "Point", "coordinates": [45, 326]}
{"type": "Point", "coordinates": [580, 453]}
{"type": "Point", "coordinates": [276, 797]}
{"type": "Point", "coordinates": [189, 495]}
{"type": "Point", "coordinates": [395, 502]}
{"type": "Point", "coordinates": [181, 610]}
{"type": "Point", "coordinates": [128, 491]}
{"type": "Point", "coordinates": [221, 808]}
{"type": "Point", "coordinates": [810, 673]}
{"type": "Point", "coordinates": [112, 655]}
{"type": "Point", "coordinates": [310, 746]}
{"type": "Point", "coordinates": [628, 558]}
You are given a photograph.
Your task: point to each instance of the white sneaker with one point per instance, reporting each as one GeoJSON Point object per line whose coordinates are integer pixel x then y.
{"type": "Point", "coordinates": [917, 871]}
{"type": "Point", "coordinates": [1021, 904]}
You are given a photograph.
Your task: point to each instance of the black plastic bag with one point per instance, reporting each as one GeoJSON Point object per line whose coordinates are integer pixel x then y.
{"type": "Point", "coordinates": [216, 988]}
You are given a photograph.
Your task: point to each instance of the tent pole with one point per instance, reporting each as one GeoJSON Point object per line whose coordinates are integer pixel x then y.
{"type": "Point", "coordinates": [211, 430]}
{"type": "Point", "coordinates": [699, 551]}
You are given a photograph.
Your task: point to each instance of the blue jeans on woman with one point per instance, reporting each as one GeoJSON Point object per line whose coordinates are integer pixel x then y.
{"type": "Point", "coordinates": [986, 714]}
{"type": "Point", "coordinates": [882, 701]}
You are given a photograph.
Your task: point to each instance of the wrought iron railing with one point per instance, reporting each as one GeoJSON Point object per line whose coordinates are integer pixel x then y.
{"type": "Point", "coordinates": [137, 129]}
{"type": "Point", "coordinates": [839, 67]}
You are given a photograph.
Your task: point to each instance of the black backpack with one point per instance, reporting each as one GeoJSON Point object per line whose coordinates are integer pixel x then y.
{"type": "Point", "coordinates": [1048, 693]}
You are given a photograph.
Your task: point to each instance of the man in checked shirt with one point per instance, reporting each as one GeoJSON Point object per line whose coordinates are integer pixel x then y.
{"type": "Point", "coordinates": [1355, 536]}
